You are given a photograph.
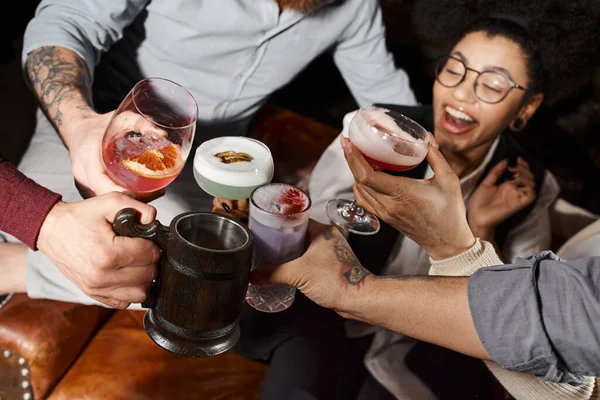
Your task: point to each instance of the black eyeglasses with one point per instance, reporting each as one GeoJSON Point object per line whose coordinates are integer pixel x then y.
{"type": "Point", "coordinates": [490, 86]}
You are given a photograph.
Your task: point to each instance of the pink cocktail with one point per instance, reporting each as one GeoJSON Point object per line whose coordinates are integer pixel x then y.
{"type": "Point", "coordinates": [149, 136]}
{"type": "Point", "coordinates": [143, 163]}
{"type": "Point", "coordinates": [389, 141]}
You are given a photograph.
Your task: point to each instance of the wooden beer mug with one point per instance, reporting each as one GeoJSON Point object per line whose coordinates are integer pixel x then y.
{"type": "Point", "coordinates": [196, 300]}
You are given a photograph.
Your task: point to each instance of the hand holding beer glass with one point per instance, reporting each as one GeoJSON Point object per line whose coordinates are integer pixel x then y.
{"type": "Point", "coordinates": [389, 141]}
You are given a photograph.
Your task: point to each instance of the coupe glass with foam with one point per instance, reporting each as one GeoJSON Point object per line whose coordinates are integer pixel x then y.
{"type": "Point", "coordinates": [389, 141]}
{"type": "Point", "coordinates": [231, 167]}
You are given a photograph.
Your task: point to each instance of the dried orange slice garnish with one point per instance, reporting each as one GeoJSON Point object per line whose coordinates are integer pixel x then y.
{"type": "Point", "coordinates": [156, 163]}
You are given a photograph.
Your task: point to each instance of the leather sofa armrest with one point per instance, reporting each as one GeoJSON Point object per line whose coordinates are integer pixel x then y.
{"type": "Point", "coordinates": [42, 338]}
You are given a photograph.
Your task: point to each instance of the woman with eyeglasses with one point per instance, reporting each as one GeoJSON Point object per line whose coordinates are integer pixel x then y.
{"type": "Point", "coordinates": [487, 87]}
{"type": "Point", "coordinates": [504, 60]}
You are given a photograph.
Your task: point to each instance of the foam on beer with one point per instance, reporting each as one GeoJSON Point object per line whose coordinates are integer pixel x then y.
{"type": "Point", "coordinates": [239, 174]}
{"type": "Point", "coordinates": [373, 144]}
{"type": "Point", "coordinates": [283, 203]}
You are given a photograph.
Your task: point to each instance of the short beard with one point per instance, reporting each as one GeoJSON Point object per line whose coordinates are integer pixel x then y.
{"type": "Point", "coordinates": [303, 6]}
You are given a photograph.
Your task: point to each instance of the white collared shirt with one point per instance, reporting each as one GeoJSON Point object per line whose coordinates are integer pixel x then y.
{"type": "Point", "coordinates": [230, 54]}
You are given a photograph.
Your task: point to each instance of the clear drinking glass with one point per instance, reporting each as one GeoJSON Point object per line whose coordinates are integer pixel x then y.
{"type": "Point", "coordinates": [231, 167]}
{"type": "Point", "coordinates": [389, 141]}
{"type": "Point", "coordinates": [149, 137]}
{"type": "Point", "coordinates": [279, 215]}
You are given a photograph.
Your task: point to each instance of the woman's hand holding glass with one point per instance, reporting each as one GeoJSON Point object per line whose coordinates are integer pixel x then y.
{"type": "Point", "coordinates": [238, 209]}
{"type": "Point", "coordinates": [230, 168]}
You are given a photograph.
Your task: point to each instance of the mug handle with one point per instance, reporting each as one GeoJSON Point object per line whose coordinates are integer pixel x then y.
{"type": "Point", "coordinates": [125, 224]}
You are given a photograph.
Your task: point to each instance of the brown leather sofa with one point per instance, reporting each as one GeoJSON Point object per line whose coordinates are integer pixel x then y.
{"type": "Point", "coordinates": [56, 350]}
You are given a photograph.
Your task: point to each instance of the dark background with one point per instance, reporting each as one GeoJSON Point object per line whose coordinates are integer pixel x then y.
{"type": "Point", "coordinates": [565, 137]}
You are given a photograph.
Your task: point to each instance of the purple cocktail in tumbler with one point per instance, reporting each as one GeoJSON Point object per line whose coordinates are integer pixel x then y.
{"type": "Point", "coordinates": [279, 215]}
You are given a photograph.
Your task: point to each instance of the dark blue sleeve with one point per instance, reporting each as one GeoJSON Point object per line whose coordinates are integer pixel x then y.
{"type": "Point", "coordinates": [540, 316]}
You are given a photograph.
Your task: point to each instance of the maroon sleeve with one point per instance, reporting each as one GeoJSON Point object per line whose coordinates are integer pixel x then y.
{"type": "Point", "coordinates": [23, 205]}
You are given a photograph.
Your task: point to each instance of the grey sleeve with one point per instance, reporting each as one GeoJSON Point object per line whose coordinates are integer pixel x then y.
{"type": "Point", "coordinates": [87, 27]}
{"type": "Point", "coordinates": [540, 316]}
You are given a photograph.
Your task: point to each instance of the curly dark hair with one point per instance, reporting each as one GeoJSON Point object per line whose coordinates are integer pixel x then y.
{"type": "Point", "coordinates": [560, 38]}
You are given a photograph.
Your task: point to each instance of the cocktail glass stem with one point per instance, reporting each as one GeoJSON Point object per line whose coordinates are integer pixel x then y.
{"type": "Point", "coordinates": [350, 216]}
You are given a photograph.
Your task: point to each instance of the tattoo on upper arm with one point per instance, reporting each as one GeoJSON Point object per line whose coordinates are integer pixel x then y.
{"type": "Point", "coordinates": [56, 79]}
{"type": "Point", "coordinates": [352, 271]}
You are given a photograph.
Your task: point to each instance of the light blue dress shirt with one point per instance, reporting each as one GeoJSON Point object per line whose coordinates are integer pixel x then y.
{"type": "Point", "coordinates": [230, 54]}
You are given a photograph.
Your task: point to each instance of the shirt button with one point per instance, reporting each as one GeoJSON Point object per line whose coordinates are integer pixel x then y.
{"type": "Point", "coordinates": [238, 76]}
{"type": "Point", "coordinates": [219, 106]}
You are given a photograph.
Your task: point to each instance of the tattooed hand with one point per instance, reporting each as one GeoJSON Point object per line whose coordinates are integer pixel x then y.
{"type": "Point", "coordinates": [86, 159]}
{"type": "Point", "coordinates": [328, 273]}
{"type": "Point", "coordinates": [62, 84]}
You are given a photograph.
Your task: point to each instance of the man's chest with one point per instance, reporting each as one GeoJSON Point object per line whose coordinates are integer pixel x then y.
{"type": "Point", "coordinates": [259, 45]}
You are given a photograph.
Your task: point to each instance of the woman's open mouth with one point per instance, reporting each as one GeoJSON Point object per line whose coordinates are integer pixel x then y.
{"type": "Point", "coordinates": [456, 121]}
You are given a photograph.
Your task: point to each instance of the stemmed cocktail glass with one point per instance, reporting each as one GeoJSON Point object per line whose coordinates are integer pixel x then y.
{"type": "Point", "coordinates": [389, 141]}
{"type": "Point", "coordinates": [149, 136]}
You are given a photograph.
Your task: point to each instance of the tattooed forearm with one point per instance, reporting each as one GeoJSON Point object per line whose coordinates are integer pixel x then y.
{"type": "Point", "coordinates": [328, 234]}
{"type": "Point", "coordinates": [352, 271]}
{"type": "Point", "coordinates": [60, 80]}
